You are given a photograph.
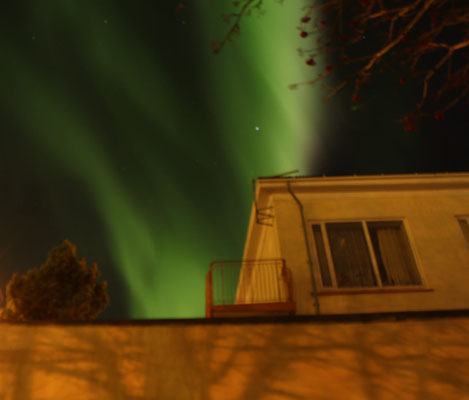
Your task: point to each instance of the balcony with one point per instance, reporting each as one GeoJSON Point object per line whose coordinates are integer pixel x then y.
{"type": "Point", "coordinates": [249, 288]}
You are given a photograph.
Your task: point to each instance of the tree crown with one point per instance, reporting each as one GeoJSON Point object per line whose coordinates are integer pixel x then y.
{"type": "Point", "coordinates": [63, 288]}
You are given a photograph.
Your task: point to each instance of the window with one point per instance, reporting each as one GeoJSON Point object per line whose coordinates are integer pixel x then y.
{"type": "Point", "coordinates": [364, 254]}
{"type": "Point", "coordinates": [464, 223]}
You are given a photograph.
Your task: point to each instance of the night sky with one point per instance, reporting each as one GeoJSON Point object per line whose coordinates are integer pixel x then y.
{"type": "Point", "coordinates": [123, 132]}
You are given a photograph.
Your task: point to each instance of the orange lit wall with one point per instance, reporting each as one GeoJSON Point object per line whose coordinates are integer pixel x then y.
{"type": "Point", "coordinates": [198, 359]}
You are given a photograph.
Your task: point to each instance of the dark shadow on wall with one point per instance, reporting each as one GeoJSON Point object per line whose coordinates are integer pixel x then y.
{"type": "Point", "coordinates": [297, 361]}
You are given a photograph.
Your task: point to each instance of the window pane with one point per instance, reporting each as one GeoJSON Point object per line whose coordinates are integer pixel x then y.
{"type": "Point", "coordinates": [323, 266]}
{"type": "Point", "coordinates": [350, 254]}
{"type": "Point", "coordinates": [393, 254]}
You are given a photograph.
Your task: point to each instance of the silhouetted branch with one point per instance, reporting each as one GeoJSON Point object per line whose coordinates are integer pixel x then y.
{"type": "Point", "coordinates": [405, 37]}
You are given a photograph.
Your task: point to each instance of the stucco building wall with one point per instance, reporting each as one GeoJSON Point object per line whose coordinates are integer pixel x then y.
{"type": "Point", "coordinates": [263, 282]}
{"type": "Point", "coordinates": [429, 207]}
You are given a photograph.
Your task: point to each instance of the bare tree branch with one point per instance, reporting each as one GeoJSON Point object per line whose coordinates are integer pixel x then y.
{"type": "Point", "coordinates": [413, 39]}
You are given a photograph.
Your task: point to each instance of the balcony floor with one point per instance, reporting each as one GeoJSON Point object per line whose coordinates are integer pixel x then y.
{"type": "Point", "coordinates": [254, 309]}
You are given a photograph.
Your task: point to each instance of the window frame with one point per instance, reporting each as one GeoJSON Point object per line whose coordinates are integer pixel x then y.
{"type": "Point", "coordinates": [380, 288]}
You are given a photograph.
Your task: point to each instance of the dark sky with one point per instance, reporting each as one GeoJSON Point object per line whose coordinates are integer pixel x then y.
{"type": "Point", "coordinates": [122, 132]}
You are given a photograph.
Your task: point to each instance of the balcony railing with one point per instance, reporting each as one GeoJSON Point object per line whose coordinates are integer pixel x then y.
{"type": "Point", "coordinates": [249, 287]}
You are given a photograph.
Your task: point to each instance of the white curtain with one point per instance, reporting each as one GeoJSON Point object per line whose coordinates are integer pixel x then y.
{"type": "Point", "coordinates": [396, 257]}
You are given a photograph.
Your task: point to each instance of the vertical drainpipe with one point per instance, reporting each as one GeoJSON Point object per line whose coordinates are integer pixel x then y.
{"type": "Point", "coordinates": [310, 262]}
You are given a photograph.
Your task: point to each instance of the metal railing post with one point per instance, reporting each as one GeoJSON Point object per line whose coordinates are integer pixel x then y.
{"type": "Point", "coordinates": [209, 293]}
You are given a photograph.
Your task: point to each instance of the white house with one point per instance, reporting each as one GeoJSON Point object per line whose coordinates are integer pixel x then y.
{"type": "Point", "coordinates": [358, 244]}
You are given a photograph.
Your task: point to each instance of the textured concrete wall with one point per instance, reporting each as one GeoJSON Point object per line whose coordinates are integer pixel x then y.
{"type": "Point", "coordinates": [376, 360]}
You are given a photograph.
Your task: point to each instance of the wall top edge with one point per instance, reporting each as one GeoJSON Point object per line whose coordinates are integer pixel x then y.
{"type": "Point", "coordinates": [362, 177]}
{"type": "Point", "coordinates": [365, 183]}
{"type": "Point", "coordinates": [382, 316]}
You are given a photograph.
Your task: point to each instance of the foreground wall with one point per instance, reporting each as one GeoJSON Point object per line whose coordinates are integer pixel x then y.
{"type": "Point", "coordinates": [303, 358]}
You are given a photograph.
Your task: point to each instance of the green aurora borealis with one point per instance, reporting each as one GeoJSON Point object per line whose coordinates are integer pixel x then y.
{"type": "Point", "coordinates": [130, 138]}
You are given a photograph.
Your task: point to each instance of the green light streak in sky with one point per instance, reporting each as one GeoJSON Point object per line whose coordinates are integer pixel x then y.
{"type": "Point", "coordinates": [162, 236]}
{"type": "Point", "coordinates": [252, 75]}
